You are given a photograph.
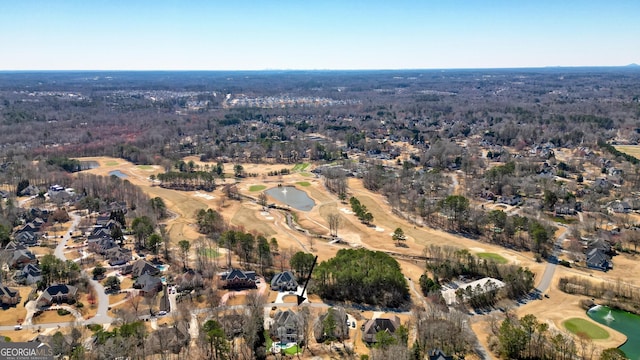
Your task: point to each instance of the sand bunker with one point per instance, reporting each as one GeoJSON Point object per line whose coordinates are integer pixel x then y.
{"type": "Point", "coordinates": [205, 196]}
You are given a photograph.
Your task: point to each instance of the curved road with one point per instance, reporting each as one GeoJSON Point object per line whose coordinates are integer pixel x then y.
{"type": "Point", "coordinates": [101, 316]}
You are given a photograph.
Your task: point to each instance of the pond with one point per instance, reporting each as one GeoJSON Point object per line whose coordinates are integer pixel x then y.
{"type": "Point", "coordinates": [624, 322]}
{"type": "Point", "coordinates": [118, 173]}
{"type": "Point", "coordinates": [293, 197]}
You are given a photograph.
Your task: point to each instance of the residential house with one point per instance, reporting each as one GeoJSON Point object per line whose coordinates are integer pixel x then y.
{"type": "Point", "coordinates": [613, 171]}
{"type": "Point", "coordinates": [510, 200]}
{"type": "Point", "coordinates": [98, 233]}
{"type": "Point", "coordinates": [26, 238]}
{"type": "Point", "coordinates": [620, 207]}
{"type": "Point", "coordinates": [57, 294]}
{"type": "Point", "coordinates": [103, 219]}
{"type": "Point", "coordinates": [167, 339]}
{"type": "Point", "coordinates": [598, 259]}
{"type": "Point", "coordinates": [117, 256]}
{"type": "Point", "coordinates": [148, 284]}
{"type": "Point", "coordinates": [117, 206]}
{"type": "Point", "coordinates": [141, 266]}
{"type": "Point", "coordinates": [28, 227]}
{"type": "Point", "coordinates": [31, 274]}
{"type": "Point", "coordinates": [233, 324]}
{"type": "Point", "coordinates": [4, 194]}
{"type": "Point", "coordinates": [238, 279]}
{"type": "Point", "coordinates": [286, 326]}
{"type": "Point", "coordinates": [284, 281]}
{"type": "Point", "coordinates": [101, 245]}
{"type": "Point", "coordinates": [373, 326]}
{"type": "Point", "coordinates": [438, 354]}
{"type": "Point", "coordinates": [18, 255]}
{"type": "Point", "coordinates": [602, 184]}
{"type": "Point", "coordinates": [487, 195]}
{"type": "Point", "coordinates": [38, 222]}
{"type": "Point", "coordinates": [564, 209]}
{"type": "Point", "coordinates": [341, 330]}
{"type": "Point", "coordinates": [600, 244]}
{"type": "Point", "coordinates": [189, 280]}
{"type": "Point", "coordinates": [30, 190]}
{"type": "Point", "coordinates": [8, 296]}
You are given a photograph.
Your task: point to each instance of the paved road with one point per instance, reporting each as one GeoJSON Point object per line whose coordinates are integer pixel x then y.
{"type": "Point", "coordinates": [550, 270]}
{"type": "Point", "coordinates": [103, 299]}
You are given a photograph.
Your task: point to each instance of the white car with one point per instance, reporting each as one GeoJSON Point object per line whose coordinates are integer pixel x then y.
{"type": "Point", "coordinates": [162, 313]}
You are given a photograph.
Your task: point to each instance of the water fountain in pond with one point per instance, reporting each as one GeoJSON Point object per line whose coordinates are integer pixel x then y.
{"type": "Point", "coordinates": [291, 196]}
{"type": "Point", "coordinates": [609, 317]}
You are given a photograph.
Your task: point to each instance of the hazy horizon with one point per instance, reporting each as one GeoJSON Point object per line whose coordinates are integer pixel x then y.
{"type": "Point", "coordinates": [74, 35]}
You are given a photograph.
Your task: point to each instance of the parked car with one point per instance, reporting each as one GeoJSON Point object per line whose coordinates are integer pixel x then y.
{"type": "Point", "coordinates": [162, 313]}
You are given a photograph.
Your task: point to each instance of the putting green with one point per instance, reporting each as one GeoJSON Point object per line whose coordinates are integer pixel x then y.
{"type": "Point", "coordinates": [579, 325]}
{"type": "Point", "coordinates": [493, 257]}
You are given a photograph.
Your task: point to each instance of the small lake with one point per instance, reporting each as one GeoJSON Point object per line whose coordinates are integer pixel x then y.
{"type": "Point", "coordinates": [118, 173]}
{"type": "Point", "coordinates": [293, 197]}
{"type": "Point", "coordinates": [88, 165]}
{"type": "Point", "coordinates": [624, 322]}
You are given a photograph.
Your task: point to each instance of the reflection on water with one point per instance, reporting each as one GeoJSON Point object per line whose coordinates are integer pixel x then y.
{"type": "Point", "coordinates": [293, 197]}
{"type": "Point", "coordinates": [88, 165]}
{"type": "Point", "coordinates": [118, 173]}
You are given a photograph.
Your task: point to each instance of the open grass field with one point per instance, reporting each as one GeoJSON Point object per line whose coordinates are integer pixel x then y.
{"type": "Point", "coordinates": [146, 167]}
{"type": "Point", "coordinates": [304, 183]}
{"type": "Point", "coordinates": [300, 167]}
{"type": "Point", "coordinates": [633, 150]}
{"type": "Point", "coordinates": [578, 325]}
{"type": "Point", "coordinates": [112, 163]}
{"type": "Point", "coordinates": [254, 188]}
{"type": "Point", "coordinates": [493, 257]}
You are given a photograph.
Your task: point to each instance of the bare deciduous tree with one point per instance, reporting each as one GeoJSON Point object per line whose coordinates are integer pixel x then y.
{"type": "Point", "coordinates": [334, 223]}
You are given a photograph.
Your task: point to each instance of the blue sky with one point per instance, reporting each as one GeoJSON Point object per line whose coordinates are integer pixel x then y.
{"type": "Point", "coordinates": [307, 34]}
